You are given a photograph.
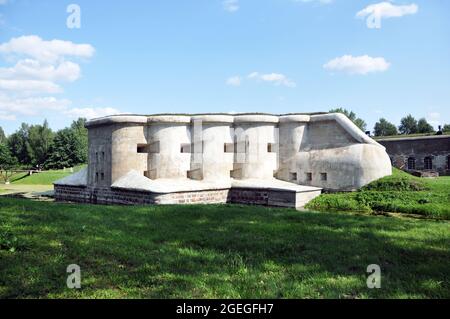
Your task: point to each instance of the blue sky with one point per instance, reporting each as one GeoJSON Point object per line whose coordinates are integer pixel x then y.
{"type": "Point", "coordinates": [274, 56]}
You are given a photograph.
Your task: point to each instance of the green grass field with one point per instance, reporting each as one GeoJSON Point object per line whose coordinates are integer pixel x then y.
{"type": "Point", "coordinates": [399, 193]}
{"type": "Point", "coordinates": [43, 178]}
{"type": "Point", "coordinates": [216, 251]}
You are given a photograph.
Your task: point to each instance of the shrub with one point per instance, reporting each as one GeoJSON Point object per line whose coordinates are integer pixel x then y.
{"type": "Point", "coordinates": [337, 202]}
{"type": "Point", "coordinates": [396, 182]}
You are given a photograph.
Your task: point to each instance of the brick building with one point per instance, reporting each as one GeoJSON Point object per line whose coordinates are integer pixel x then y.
{"type": "Point", "coordinates": [421, 153]}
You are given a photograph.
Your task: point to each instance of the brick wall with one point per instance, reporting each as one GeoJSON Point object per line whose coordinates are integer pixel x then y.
{"type": "Point", "coordinates": [128, 197]}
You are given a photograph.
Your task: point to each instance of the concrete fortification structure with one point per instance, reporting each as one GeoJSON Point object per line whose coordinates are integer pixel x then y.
{"type": "Point", "coordinates": [261, 159]}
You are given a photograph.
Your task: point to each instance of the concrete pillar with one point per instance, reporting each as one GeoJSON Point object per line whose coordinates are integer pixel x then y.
{"type": "Point", "coordinates": [255, 146]}
{"type": "Point", "coordinates": [124, 155]}
{"type": "Point", "coordinates": [292, 131]}
{"type": "Point", "coordinates": [212, 157]}
{"type": "Point", "coordinates": [169, 141]}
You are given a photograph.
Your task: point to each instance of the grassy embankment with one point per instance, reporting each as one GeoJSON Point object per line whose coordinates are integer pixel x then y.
{"type": "Point", "coordinates": [399, 193]}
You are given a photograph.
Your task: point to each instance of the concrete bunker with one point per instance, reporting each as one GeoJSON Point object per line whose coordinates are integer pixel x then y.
{"type": "Point", "coordinates": [261, 159]}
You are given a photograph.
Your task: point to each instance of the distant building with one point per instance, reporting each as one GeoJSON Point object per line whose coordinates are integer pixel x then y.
{"type": "Point", "coordinates": [419, 153]}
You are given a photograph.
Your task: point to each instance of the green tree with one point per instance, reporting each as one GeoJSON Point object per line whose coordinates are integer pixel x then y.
{"type": "Point", "coordinates": [7, 163]}
{"type": "Point", "coordinates": [385, 128]}
{"type": "Point", "coordinates": [352, 116]}
{"type": "Point", "coordinates": [424, 127]}
{"type": "Point", "coordinates": [66, 150]}
{"type": "Point", "coordinates": [408, 125]}
{"type": "Point", "coordinates": [40, 138]}
{"type": "Point", "coordinates": [446, 128]}
{"type": "Point", "coordinates": [2, 135]}
{"type": "Point", "coordinates": [19, 145]}
{"type": "Point", "coordinates": [81, 134]}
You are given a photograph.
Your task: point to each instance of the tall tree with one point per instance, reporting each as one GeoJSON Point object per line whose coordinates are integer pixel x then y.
{"type": "Point", "coordinates": [66, 150]}
{"type": "Point", "coordinates": [385, 128]}
{"type": "Point", "coordinates": [408, 125]}
{"type": "Point", "coordinates": [81, 134]}
{"type": "Point", "coordinates": [19, 145]}
{"type": "Point", "coordinates": [424, 127]}
{"type": "Point", "coordinates": [40, 138]}
{"type": "Point", "coordinates": [2, 135]}
{"type": "Point", "coordinates": [352, 116]}
{"type": "Point", "coordinates": [446, 128]}
{"type": "Point", "coordinates": [7, 163]}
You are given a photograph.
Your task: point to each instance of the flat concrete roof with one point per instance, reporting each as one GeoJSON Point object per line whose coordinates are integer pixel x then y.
{"type": "Point", "coordinates": [206, 117]}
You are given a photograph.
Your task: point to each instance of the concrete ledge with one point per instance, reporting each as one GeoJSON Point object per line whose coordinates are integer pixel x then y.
{"type": "Point", "coordinates": [256, 118]}
{"type": "Point", "coordinates": [273, 184]}
{"type": "Point", "coordinates": [129, 119]}
{"type": "Point", "coordinates": [169, 119]}
{"type": "Point", "coordinates": [77, 179]}
{"type": "Point", "coordinates": [250, 196]}
{"type": "Point", "coordinates": [137, 182]}
{"type": "Point", "coordinates": [213, 118]}
{"type": "Point", "coordinates": [295, 118]}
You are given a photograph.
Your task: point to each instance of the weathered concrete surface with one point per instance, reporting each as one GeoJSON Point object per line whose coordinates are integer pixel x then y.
{"type": "Point", "coordinates": [77, 179]}
{"type": "Point", "coordinates": [264, 156]}
{"type": "Point", "coordinates": [329, 151]}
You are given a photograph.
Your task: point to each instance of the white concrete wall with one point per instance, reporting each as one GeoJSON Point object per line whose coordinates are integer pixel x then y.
{"type": "Point", "coordinates": [210, 157]}
{"type": "Point", "coordinates": [124, 156]}
{"type": "Point", "coordinates": [328, 148]}
{"type": "Point", "coordinates": [253, 135]}
{"type": "Point", "coordinates": [292, 129]}
{"type": "Point", "coordinates": [171, 132]}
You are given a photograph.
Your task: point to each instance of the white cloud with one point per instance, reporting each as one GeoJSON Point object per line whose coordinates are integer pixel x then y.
{"type": "Point", "coordinates": [230, 5]}
{"type": "Point", "coordinates": [234, 81]}
{"type": "Point", "coordinates": [7, 117]}
{"type": "Point", "coordinates": [27, 87]}
{"type": "Point", "coordinates": [28, 68]}
{"type": "Point", "coordinates": [434, 118]}
{"type": "Point", "coordinates": [319, 1]}
{"type": "Point", "coordinates": [387, 10]}
{"type": "Point", "coordinates": [33, 106]}
{"type": "Point", "coordinates": [275, 78]}
{"type": "Point", "coordinates": [45, 51]}
{"type": "Point", "coordinates": [90, 112]}
{"type": "Point", "coordinates": [357, 65]}
{"type": "Point", "coordinates": [40, 67]}
{"type": "Point", "coordinates": [30, 106]}
{"type": "Point", "coordinates": [2, 2]}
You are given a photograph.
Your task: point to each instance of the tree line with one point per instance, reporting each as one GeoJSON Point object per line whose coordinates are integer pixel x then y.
{"type": "Point", "coordinates": [38, 147]}
{"type": "Point", "coordinates": [408, 125]}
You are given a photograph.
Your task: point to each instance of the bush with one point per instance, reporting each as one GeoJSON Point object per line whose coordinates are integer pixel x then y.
{"type": "Point", "coordinates": [398, 181]}
{"type": "Point", "coordinates": [337, 202]}
{"type": "Point", "coordinates": [399, 193]}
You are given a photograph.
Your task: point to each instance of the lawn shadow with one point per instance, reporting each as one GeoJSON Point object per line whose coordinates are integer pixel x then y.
{"type": "Point", "coordinates": [226, 251]}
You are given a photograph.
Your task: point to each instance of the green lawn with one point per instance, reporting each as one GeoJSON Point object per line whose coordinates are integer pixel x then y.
{"type": "Point", "coordinates": [216, 251]}
{"type": "Point", "coordinates": [43, 178]}
{"type": "Point", "coordinates": [399, 193]}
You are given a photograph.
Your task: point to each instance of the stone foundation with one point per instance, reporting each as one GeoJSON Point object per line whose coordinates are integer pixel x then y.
{"type": "Point", "coordinates": [255, 196]}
